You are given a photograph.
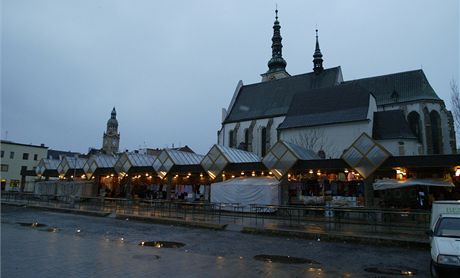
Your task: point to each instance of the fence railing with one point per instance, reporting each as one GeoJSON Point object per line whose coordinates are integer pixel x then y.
{"type": "Point", "coordinates": [324, 218]}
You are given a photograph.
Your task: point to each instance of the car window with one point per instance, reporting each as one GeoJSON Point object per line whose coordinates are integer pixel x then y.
{"type": "Point", "coordinates": [448, 227]}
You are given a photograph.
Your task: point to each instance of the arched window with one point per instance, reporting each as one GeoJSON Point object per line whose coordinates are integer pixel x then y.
{"type": "Point", "coordinates": [263, 143]}
{"type": "Point", "coordinates": [436, 132]}
{"type": "Point", "coordinates": [246, 139]}
{"type": "Point", "coordinates": [414, 123]}
{"type": "Point", "coordinates": [231, 141]}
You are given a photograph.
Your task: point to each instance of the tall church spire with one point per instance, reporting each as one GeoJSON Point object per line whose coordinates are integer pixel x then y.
{"type": "Point", "coordinates": [317, 57]}
{"type": "Point", "coordinates": [111, 139]}
{"type": "Point", "coordinates": [276, 65]}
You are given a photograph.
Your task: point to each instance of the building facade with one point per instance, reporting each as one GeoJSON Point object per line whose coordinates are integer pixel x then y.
{"type": "Point", "coordinates": [111, 138]}
{"type": "Point", "coordinates": [311, 110]}
{"type": "Point", "coordinates": [16, 158]}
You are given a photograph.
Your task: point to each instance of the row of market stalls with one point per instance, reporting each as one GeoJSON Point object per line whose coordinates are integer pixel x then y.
{"type": "Point", "coordinates": [366, 174]}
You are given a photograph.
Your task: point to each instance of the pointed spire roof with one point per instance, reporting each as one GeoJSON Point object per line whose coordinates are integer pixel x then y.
{"type": "Point", "coordinates": [277, 62]}
{"type": "Point", "coordinates": [114, 113]}
{"type": "Point", "coordinates": [317, 57]}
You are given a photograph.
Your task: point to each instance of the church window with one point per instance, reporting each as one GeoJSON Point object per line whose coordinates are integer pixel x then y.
{"type": "Point", "coordinates": [231, 142]}
{"type": "Point", "coordinates": [246, 138]}
{"type": "Point", "coordinates": [436, 132]}
{"type": "Point", "coordinates": [414, 123]}
{"type": "Point", "coordinates": [263, 137]}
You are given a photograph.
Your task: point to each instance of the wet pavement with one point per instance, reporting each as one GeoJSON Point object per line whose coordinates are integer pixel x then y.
{"type": "Point", "coordinates": [83, 246]}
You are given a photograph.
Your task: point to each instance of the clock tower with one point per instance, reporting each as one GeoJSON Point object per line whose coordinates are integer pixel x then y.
{"type": "Point", "coordinates": [111, 139]}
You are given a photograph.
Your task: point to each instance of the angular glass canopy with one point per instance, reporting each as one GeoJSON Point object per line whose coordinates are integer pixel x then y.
{"type": "Point", "coordinates": [218, 157]}
{"type": "Point", "coordinates": [99, 162]}
{"type": "Point", "coordinates": [168, 158]}
{"type": "Point", "coordinates": [365, 155]}
{"type": "Point", "coordinates": [284, 155]}
{"type": "Point", "coordinates": [129, 161]}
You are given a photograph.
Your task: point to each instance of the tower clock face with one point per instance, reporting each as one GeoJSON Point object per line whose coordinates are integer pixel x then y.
{"type": "Point", "coordinates": [114, 143]}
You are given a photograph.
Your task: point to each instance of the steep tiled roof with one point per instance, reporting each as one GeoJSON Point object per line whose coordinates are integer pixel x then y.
{"type": "Point", "coordinates": [398, 87]}
{"type": "Point", "coordinates": [273, 98]}
{"type": "Point", "coordinates": [337, 104]}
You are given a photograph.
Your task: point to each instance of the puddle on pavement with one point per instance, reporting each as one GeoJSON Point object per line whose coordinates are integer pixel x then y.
{"type": "Point", "coordinates": [146, 257]}
{"type": "Point", "coordinates": [32, 225]}
{"type": "Point", "coordinates": [391, 270]}
{"type": "Point", "coordinates": [284, 259]}
{"type": "Point", "coordinates": [162, 244]}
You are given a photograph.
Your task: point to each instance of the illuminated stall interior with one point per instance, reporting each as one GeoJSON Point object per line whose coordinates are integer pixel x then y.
{"type": "Point", "coordinates": [100, 168]}
{"type": "Point", "coordinates": [183, 174]}
{"type": "Point", "coordinates": [136, 175]}
{"type": "Point", "coordinates": [312, 180]}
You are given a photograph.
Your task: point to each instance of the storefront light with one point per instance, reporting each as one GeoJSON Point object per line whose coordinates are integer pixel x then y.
{"type": "Point", "coordinates": [457, 172]}
{"type": "Point", "coordinates": [311, 171]}
{"type": "Point", "coordinates": [289, 175]}
{"type": "Point", "coordinates": [270, 173]}
{"type": "Point", "coordinates": [253, 174]}
{"type": "Point", "coordinates": [242, 173]}
{"type": "Point", "coordinates": [345, 171]}
{"type": "Point", "coordinates": [318, 173]}
{"type": "Point", "coordinates": [233, 176]}
{"type": "Point", "coordinates": [201, 175]}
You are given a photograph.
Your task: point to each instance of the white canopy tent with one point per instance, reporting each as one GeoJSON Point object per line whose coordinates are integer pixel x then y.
{"type": "Point", "coordinates": [246, 191]}
{"type": "Point", "coordinates": [384, 184]}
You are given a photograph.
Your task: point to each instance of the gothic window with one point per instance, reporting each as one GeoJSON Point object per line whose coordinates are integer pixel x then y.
{"type": "Point", "coordinates": [231, 142]}
{"type": "Point", "coordinates": [436, 132]}
{"type": "Point", "coordinates": [246, 138]}
{"type": "Point", "coordinates": [263, 137]}
{"type": "Point", "coordinates": [414, 123]}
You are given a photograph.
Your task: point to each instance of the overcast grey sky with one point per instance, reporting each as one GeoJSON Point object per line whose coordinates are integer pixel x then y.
{"type": "Point", "coordinates": [170, 66]}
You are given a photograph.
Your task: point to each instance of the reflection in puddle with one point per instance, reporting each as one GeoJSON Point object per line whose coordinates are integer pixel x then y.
{"type": "Point", "coordinates": [392, 270]}
{"type": "Point", "coordinates": [162, 244]}
{"type": "Point", "coordinates": [284, 259]}
{"type": "Point", "coordinates": [146, 257]}
{"type": "Point", "coordinates": [33, 224]}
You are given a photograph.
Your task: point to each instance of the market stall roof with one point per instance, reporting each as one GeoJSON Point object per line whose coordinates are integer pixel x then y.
{"type": "Point", "coordinates": [134, 162]}
{"type": "Point", "coordinates": [71, 164]}
{"type": "Point", "coordinates": [47, 167]}
{"type": "Point", "coordinates": [284, 155]}
{"type": "Point", "coordinates": [174, 160]}
{"type": "Point", "coordinates": [221, 158]}
{"type": "Point", "coordinates": [384, 184]}
{"type": "Point", "coordinates": [100, 163]}
{"type": "Point", "coordinates": [423, 161]}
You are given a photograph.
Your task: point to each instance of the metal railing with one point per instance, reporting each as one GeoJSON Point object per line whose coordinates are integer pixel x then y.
{"type": "Point", "coordinates": [321, 218]}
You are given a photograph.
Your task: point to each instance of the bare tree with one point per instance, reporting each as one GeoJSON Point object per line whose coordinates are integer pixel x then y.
{"type": "Point", "coordinates": [315, 140]}
{"type": "Point", "coordinates": [455, 99]}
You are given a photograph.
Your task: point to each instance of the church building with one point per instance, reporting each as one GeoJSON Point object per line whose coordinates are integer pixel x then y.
{"type": "Point", "coordinates": [322, 112]}
{"type": "Point", "coordinates": [111, 139]}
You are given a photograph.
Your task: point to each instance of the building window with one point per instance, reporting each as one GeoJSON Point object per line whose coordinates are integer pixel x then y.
{"type": "Point", "coordinates": [11, 155]}
{"type": "Point", "coordinates": [3, 154]}
{"type": "Point", "coordinates": [436, 132]}
{"type": "Point", "coordinates": [25, 156]}
{"type": "Point", "coordinates": [414, 123]}
{"type": "Point", "coordinates": [35, 156]}
{"type": "Point", "coordinates": [263, 137]}
{"type": "Point", "coordinates": [4, 167]}
{"type": "Point", "coordinates": [23, 169]}
{"type": "Point", "coordinates": [231, 142]}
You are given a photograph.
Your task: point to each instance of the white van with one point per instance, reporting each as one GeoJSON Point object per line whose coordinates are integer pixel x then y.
{"type": "Point", "coordinates": [445, 239]}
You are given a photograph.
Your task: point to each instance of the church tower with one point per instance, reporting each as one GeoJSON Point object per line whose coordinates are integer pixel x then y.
{"type": "Point", "coordinates": [276, 65]}
{"type": "Point", "coordinates": [111, 139]}
{"type": "Point", "coordinates": [317, 57]}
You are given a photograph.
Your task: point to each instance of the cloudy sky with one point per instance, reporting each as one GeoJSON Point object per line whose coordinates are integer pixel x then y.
{"type": "Point", "coordinates": [170, 66]}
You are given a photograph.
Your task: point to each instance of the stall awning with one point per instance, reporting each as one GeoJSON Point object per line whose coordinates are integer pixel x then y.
{"type": "Point", "coordinates": [169, 160]}
{"type": "Point", "coordinates": [284, 155]}
{"type": "Point", "coordinates": [71, 163]}
{"type": "Point", "coordinates": [98, 163]}
{"type": "Point", "coordinates": [219, 157]}
{"type": "Point", "coordinates": [134, 162]}
{"type": "Point", "coordinates": [384, 184]}
{"type": "Point", "coordinates": [47, 167]}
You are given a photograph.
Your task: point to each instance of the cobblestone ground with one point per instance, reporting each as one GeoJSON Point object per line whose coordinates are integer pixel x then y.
{"type": "Point", "coordinates": [85, 246]}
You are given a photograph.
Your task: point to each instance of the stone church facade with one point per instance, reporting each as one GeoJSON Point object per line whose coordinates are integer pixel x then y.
{"type": "Point", "coordinates": [402, 111]}
{"type": "Point", "coordinates": [111, 138]}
